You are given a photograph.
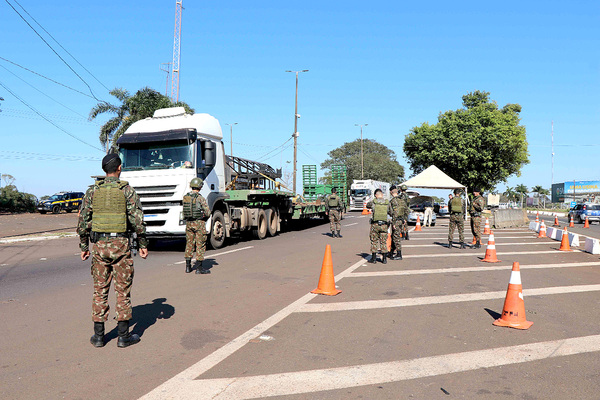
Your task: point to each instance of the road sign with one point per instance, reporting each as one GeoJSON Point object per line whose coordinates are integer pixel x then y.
{"type": "Point", "coordinates": [573, 204]}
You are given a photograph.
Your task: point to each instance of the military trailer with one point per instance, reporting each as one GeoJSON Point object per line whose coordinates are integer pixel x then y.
{"type": "Point", "coordinates": [163, 153]}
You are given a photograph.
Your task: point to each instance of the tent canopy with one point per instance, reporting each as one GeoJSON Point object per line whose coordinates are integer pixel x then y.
{"type": "Point", "coordinates": [433, 178]}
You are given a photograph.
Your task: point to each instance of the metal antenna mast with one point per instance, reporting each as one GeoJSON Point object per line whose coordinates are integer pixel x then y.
{"type": "Point", "coordinates": [166, 67]}
{"type": "Point", "coordinates": [552, 134]}
{"type": "Point", "coordinates": [176, 52]}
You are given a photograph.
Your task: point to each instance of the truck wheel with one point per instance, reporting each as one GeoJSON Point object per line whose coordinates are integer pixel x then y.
{"type": "Point", "coordinates": [260, 232]}
{"type": "Point", "coordinates": [217, 232]}
{"type": "Point", "coordinates": [56, 209]}
{"type": "Point", "coordinates": [271, 215]}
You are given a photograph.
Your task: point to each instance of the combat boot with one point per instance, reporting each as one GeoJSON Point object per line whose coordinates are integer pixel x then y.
{"type": "Point", "coordinates": [98, 339]}
{"type": "Point", "coordinates": [449, 244]}
{"type": "Point", "coordinates": [373, 259]}
{"type": "Point", "coordinates": [462, 245]}
{"type": "Point", "coordinates": [339, 234]}
{"type": "Point", "coordinates": [397, 256]}
{"type": "Point", "coordinates": [200, 268]}
{"type": "Point", "coordinates": [406, 236]}
{"type": "Point", "coordinates": [188, 265]}
{"type": "Point", "coordinates": [126, 339]}
{"type": "Point", "coordinates": [333, 234]}
{"type": "Point", "coordinates": [478, 245]}
{"type": "Point", "coordinates": [384, 258]}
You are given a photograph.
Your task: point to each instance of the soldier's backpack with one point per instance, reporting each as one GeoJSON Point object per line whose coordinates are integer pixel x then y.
{"type": "Point", "coordinates": [333, 201]}
{"type": "Point", "coordinates": [192, 209]}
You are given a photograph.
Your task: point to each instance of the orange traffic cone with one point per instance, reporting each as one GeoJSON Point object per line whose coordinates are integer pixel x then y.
{"type": "Point", "coordinates": [389, 239]}
{"type": "Point", "coordinates": [564, 243]}
{"type": "Point", "coordinates": [486, 228]}
{"type": "Point", "coordinates": [513, 313]}
{"type": "Point", "coordinates": [587, 222]}
{"type": "Point", "coordinates": [537, 217]}
{"type": "Point", "coordinates": [490, 251]}
{"type": "Point", "coordinates": [326, 280]}
{"type": "Point", "coordinates": [571, 223]}
{"type": "Point", "coordinates": [556, 221]}
{"type": "Point", "coordinates": [365, 211]}
{"type": "Point", "coordinates": [474, 241]}
{"type": "Point", "coordinates": [542, 233]}
{"type": "Point", "coordinates": [418, 226]}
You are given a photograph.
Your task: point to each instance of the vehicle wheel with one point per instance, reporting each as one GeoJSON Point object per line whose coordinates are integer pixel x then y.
{"type": "Point", "coordinates": [217, 231]}
{"type": "Point", "coordinates": [56, 209]}
{"type": "Point", "coordinates": [272, 217]}
{"type": "Point", "coordinates": [260, 232]}
{"type": "Point", "coordinates": [68, 210]}
{"type": "Point", "coordinates": [42, 212]}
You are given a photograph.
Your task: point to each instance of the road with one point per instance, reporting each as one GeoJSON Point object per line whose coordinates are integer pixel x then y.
{"type": "Point", "coordinates": [592, 231]}
{"type": "Point", "coordinates": [420, 328]}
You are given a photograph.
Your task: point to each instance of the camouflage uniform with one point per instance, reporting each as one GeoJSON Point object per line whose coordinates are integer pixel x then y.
{"type": "Point", "coordinates": [456, 220]}
{"type": "Point", "coordinates": [477, 206]}
{"type": "Point", "coordinates": [398, 212]}
{"type": "Point", "coordinates": [404, 197]}
{"type": "Point", "coordinates": [379, 232]}
{"type": "Point", "coordinates": [335, 212]}
{"type": "Point", "coordinates": [111, 256]}
{"type": "Point", "coordinates": [195, 231]}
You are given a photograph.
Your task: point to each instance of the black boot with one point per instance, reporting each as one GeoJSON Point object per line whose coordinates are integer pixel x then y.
{"type": "Point", "coordinates": [397, 256]}
{"type": "Point", "coordinates": [339, 234]}
{"type": "Point", "coordinates": [449, 244]}
{"type": "Point", "coordinates": [462, 245]}
{"type": "Point", "coordinates": [188, 265]}
{"type": "Point", "coordinates": [406, 236]}
{"type": "Point", "coordinates": [373, 259]}
{"type": "Point", "coordinates": [200, 268]}
{"type": "Point", "coordinates": [125, 338]}
{"type": "Point", "coordinates": [384, 258]}
{"type": "Point", "coordinates": [98, 339]}
{"type": "Point", "coordinates": [478, 245]}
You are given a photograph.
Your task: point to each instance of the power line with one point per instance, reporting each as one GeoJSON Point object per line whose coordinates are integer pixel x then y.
{"type": "Point", "coordinates": [28, 114]}
{"type": "Point", "coordinates": [47, 119]}
{"type": "Point", "coordinates": [20, 155]}
{"type": "Point", "coordinates": [278, 153]}
{"type": "Point", "coordinates": [278, 147]}
{"type": "Point", "coordinates": [54, 51]}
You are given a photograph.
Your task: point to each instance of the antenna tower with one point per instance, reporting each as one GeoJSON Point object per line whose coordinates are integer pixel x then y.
{"type": "Point", "coordinates": [176, 52]}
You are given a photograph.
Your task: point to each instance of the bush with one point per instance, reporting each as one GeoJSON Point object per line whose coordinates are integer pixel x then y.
{"type": "Point", "coordinates": [11, 200]}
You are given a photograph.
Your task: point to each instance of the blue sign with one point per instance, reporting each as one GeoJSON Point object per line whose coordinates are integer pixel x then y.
{"type": "Point", "coordinates": [573, 204]}
{"type": "Point", "coordinates": [581, 187]}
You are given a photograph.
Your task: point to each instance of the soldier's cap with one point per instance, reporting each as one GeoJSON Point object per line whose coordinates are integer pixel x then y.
{"type": "Point", "coordinates": [110, 162]}
{"type": "Point", "coordinates": [378, 191]}
{"type": "Point", "coordinates": [334, 190]}
{"type": "Point", "coordinates": [476, 190]}
{"type": "Point", "coordinates": [457, 191]}
{"type": "Point", "coordinates": [393, 187]}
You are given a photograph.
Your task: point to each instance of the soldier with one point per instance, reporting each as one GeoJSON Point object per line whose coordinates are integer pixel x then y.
{"type": "Point", "coordinates": [398, 212]}
{"type": "Point", "coordinates": [110, 210]}
{"type": "Point", "coordinates": [475, 210]}
{"type": "Point", "coordinates": [334, 210]}
{"type": "Point", "coordinates": [379, 226]}
{"type": "Point", "coordinates": [195, 212]}
{"type": "Point", "coordinates": [404, 196]}
{"type": "Point", "coordinates": [456, 208]}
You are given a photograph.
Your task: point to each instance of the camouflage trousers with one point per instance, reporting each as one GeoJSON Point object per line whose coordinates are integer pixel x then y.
{"type": "Point", "coordinates": [456, 222]}
{"type": "Point", "coordinates": [335, 217]}
{"type": "Point", "coordinates": [111, 259]}
{"type": "Point", "coordinates": [476, 228]}
{"type": "Point", "coordinates": [378, 236]}
{"type": "Point", "coordinates": [397, 227]}
{"type": "Point", "coordinates": [195, 239]}
{"type": "Point", "coordinates": [405, 227]}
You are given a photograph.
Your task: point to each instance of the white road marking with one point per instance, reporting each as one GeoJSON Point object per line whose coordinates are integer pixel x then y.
{"type": "Point", "coordinates": [38, 238]}
{"type": "Point", "coordinates": [220, 254]}
{"type": "Point", "coordinates": [356, 223]}
{"type": "Point", "coordinates": [482, 244]}
{"type": "Point", "coordinates": [456, 250]}
{"type": "Point", "coordinates": [362, 216]}
{"type": "Point", "coordinates": [483, 239]}
{"type": "Point", "coordinates": [290, 383]}
{"type": "Point", "coordinates": [468, 269]}
{"type": "Point", "coordinates": [451, 298]}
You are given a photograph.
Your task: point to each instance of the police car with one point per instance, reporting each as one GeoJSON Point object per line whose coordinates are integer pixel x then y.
{"type": "Point", "coordinates": [68, 201]}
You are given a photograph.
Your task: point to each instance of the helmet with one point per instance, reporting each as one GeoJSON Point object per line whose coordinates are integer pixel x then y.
{"type": "Point", "coordinates": [196, 183]}
{"type": "Point", "coordinates": [403, 187]}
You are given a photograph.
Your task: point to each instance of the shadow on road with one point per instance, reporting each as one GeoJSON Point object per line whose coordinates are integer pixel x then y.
{"type": "Point", "coordinates": [493, 313]}
{"type": "Point", "coordinates": [146, 315]}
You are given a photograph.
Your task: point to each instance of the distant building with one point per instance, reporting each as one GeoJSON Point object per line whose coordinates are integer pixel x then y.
{"type": "Point", "coordinates": [578, 191]}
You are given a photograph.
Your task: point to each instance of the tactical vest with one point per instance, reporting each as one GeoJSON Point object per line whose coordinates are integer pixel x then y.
{"type": "Point", "coordinates": [192, 209]}
{"type": "Point", "coordinates": [380, 210]}
{"type": "Point", "coordinates": [398, 207]}
{"type": "Point", "coordinates": [109, 207]}
{"type": "Point", "coordinates": [456, 205]}
{"type": "Point", "coordinates": [333, 201]}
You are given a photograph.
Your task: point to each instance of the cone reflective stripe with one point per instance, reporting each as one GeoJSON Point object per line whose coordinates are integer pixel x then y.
{"type": "Point", "coordinates": [418, 226]}
{"type": "Point", "coordinates": [571, 223]}
{"type": "Point", "coordinates": [490, 251]}
{"type": "Point", "coordinates": [587, 222]}
{"type": "Point", "coordinates": [542, 233]}
{"type": "Point", "coordinates": [564, 243]}
{"type": "Point", "coordinates": [486, 228]}
{"type": "Point", "coordinates": [326, 280]}
{"type": "Point", "coordinates": [537, 217]}
{"type": "Point", "coordinates": [556, 220]}
{"type": "Point", "coordinates": [513, 312]}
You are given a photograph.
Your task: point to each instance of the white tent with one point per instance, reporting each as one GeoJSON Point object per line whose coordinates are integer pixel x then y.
{"type": "Point", "coordinates": [433, 178]}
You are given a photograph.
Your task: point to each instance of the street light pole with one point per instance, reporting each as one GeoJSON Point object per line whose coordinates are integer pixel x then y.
{"type": "Point", "coordinates": [231, 137]}
{"type": "Point", "coordinates": [362, 166]}
{"type": "Point", "coordinates": [295, 134]}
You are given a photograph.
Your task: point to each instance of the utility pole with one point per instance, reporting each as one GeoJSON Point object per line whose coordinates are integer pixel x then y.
{"type": "Point", "coordinates": [166, 67]}
{"type": "Point", "coordinates": [176, 52]}
{"type": "Point", "coordinates": [231, 137]}
{"type": "Point", "coordinates": [552, 134]}
{"type": "Point", "coordinates": [295, 134]}
{"type": "Point", "coordinates": [362, 163]}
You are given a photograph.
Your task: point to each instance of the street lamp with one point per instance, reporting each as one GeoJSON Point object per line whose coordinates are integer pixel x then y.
{"type": "Point", "coordinates": [295, 134]}
{"type": "Point", "coordinates": [231, 137]}
{"type": "Point", "coordinates": [362, 167]}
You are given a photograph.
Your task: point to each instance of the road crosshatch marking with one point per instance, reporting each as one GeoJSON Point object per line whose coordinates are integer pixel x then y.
{"type": "Point", "coordinates": [189, 385]}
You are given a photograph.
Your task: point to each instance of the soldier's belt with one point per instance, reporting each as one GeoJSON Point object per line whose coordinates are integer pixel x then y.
{"type": "Point", "coordinates": [111, 235]}
{"type": "Point", "coordinates": [380, 223]}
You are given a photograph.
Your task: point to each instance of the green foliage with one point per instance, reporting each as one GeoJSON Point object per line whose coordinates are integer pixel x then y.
{"type": "Point", "coordinates": [478, 145]}
{"type": "Point", "coordinates": [11, 200]}
{"type": "Point", "coordinates": [379, 162]}
{"type": "Point", "coordinates": [132, 108]}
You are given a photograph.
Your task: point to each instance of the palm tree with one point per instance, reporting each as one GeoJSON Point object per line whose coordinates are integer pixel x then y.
{"type": "Point", "coordinates": [521, 189]}
{"type": "Point", "coordinates": [544, 192]}
{"type": "Point", "coordinates": [536, 190]}
{"type": "Point", "coordinates": [510, 193]}
{"type": "Point", "coordinates": [107, 131]}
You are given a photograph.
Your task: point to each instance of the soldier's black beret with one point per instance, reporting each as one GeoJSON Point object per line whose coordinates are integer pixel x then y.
{"type": "Point", "coordinates": [378, 191]}
{"type": "Point", "coordinates": [476, 190]}
{"type": "Point", "coordinates": [110, 162]}
{"type": "Point", "coordinates": [393, 187]}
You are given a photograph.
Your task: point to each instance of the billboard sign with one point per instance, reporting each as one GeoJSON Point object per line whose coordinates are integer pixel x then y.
{"type": "Point", "coordinates": [581, 187]}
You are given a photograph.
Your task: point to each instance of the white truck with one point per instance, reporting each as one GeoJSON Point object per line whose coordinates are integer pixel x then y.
{"type": "Point", "coordinates": [160, 156]}
{"type": "Point", "coordinates": [361, 191]}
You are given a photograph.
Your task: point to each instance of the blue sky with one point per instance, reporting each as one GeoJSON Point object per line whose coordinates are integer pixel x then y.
{"type": "Point", "coordinates": [392, 65]}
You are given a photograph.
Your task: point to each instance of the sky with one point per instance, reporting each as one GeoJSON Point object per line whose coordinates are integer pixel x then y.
{"type": "Point", "coordinates": [392, 65]}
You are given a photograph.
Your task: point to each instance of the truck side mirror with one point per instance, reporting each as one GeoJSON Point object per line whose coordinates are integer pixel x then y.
{"type": "Point", "coordinates": [210, 154]}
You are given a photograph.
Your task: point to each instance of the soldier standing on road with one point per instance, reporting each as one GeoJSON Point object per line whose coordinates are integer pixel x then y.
{"type": "Point", "coordinates": [397, 211]}
{"type": "Point", "coordinates": [475, 210]}
{"type": "Point", "coordinates": [456, 207]}
{"type": "Point", "coordinates": [195, 213]}
{"type": "Point", "coordinates": [404, 197]}
{"type": "Point", "coordinates": [334, 210]}
{"type": "Point", "coordinates": [110, 211]}
{"type": "Point", "coordinates": [379, 226]}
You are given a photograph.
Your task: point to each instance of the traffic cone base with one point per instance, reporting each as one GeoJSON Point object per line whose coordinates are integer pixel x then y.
{"type": "Point", "coordinates": [542, 233]}
{"type": "Point", "coordinates": [564, 243]}
{"type": "Point", "coordinates": [365, 211]}
{"type": "Point", "coordinates": [490, 251]}
{"type": "Point", "coordinates": [513, 312]}
{"type": "Point", "coordinates": [326, 284]}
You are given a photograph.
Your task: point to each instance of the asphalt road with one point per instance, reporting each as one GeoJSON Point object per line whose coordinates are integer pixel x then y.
{"type": "Point", "coordinates": [420, 328]}
{"type": "Point", "coordinates": [592, 231]}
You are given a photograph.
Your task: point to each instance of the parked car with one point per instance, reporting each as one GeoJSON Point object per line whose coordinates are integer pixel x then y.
{"type": "Point", "coordinates": [443, 210]}
{"type": "Point", "coordinates": [68, 201]}
{"type": "Point", "coordinates": [417, 207]}
{"type": "Point", "coordinates": [580, 211]}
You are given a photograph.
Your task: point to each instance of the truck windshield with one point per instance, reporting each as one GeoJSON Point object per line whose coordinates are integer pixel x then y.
{"type": "Point", "coordinates": [156, 156]}
{"type": "Point", "coordinates": [360, 192]}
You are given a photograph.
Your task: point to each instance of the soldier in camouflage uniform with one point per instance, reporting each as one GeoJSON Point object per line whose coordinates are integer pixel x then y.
{"type": "Point", "coordinates": [334, 208]}
{"type": "Point", "coordinates": [398, 212]}
{"type": "Point", "coordinates": [477, 206]}
{"type": "Point", "coordinates": [379, 226]}
{"type": "Point", "coordinates": [195, 212]}
{"type": "Point", "coordinates": [110, 210]}
{"type": "Point", "coordinates": [456, 207]}
{"type": "Point", "coordinates": [404, 197]}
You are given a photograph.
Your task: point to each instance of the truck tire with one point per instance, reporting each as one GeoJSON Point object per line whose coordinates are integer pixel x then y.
{"type": "Point", "coordinates": [272, 217]}
{"type": "Point", "coordinates": [56, 209]}
{"type": "Point", "coordinates": [260, 232]}
{"type": "Point", "coordinates": [217, 230]}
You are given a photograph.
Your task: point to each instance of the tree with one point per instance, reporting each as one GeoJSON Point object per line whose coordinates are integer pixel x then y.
{"type": "Point", "coordinates": [379, 162]}
{"type": "Point", "coordinates": [479, 145]}
{"type": "Point", "coordinates": [12, 200]}
{"type": "Point", "coordinates": [510, 194]}
{"type": "Point", "coordinates": [537, 189]}
{"type": "Point", "coordinates": [132, 108]}
{"type": "Point", "coordinates": [521, 189]}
